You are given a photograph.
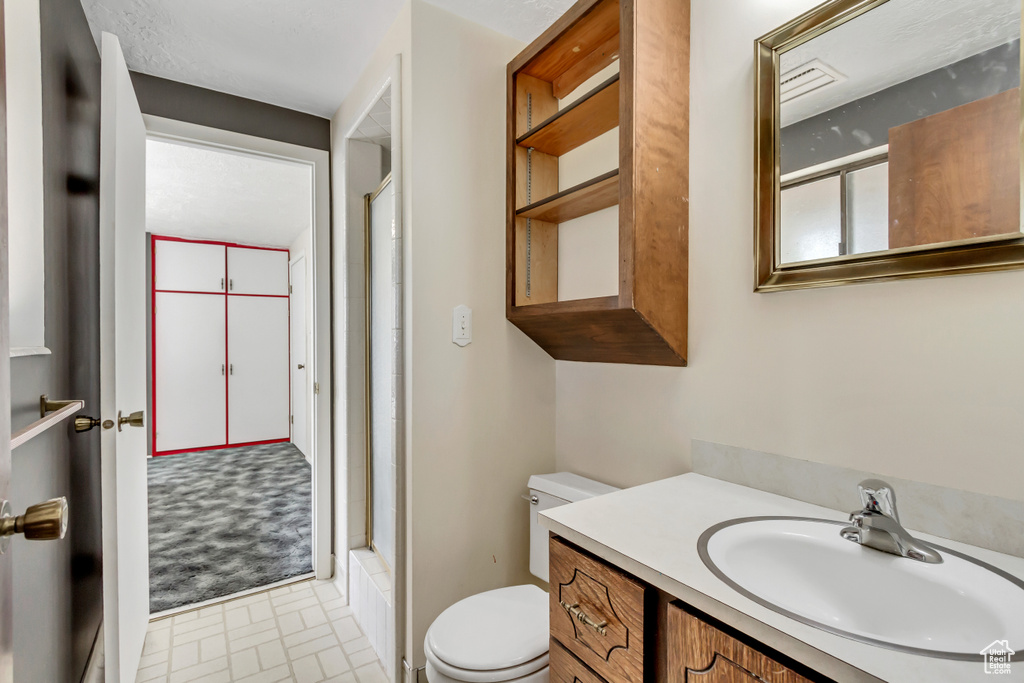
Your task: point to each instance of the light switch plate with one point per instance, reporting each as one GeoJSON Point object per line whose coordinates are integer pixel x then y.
{"type": "Point", "coordinates": [462, 325]}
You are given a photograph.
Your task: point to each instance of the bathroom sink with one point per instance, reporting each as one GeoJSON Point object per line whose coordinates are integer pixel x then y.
{"type": "Point", "coordinates": [803, 569]}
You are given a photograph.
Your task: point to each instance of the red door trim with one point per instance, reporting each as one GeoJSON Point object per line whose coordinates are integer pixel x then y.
{"type": "Point", "coordinates": [227, 386]}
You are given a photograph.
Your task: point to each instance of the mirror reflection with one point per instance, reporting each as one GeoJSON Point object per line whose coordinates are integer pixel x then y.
{"type": "Point", "coordinates": [901, 129]}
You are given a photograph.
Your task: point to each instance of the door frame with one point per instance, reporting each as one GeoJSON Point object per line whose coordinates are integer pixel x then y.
{"type": "Point", "coordinates": [293, 260]}
{"type": "Point", "coordinates": [319, 401]}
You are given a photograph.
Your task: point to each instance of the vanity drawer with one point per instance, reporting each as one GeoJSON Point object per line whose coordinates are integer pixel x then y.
{"type": "Point", "coordinates": [597, 613]}
{"type": "Point", "coordinates": [564, 668]}
{"type": "Point", "coordinates": [698, 652]}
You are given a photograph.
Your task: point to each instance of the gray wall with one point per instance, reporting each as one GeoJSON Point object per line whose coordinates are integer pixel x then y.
{"type": "Point", "coordinates": [182, 102]}
{"type": "Point", "coordinates": [58, 585]}
{"type": "Point", "coordinates": [865, 123]}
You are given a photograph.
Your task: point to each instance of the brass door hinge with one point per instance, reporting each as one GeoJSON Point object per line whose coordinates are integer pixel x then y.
{"type": "Point", "coordinates": [291, 419]}
{"type": "Point", "coordinates": [316, 388]}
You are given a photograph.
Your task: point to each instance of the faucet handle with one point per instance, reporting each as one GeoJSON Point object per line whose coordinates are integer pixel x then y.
{"type": "Point", "coordinates": [878, 496]}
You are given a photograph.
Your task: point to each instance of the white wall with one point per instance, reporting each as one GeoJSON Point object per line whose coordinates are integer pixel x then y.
{"type": "Point", "coordinates": [349, 186]}
{"type": "Point", "coordinates": [480, 419]}
{"type": "Point", "coordinates": [482, 416]}
{"type": "Point", "coordinates": [25, 176]}
{"type": "Point", "coordinates": [918, 379]}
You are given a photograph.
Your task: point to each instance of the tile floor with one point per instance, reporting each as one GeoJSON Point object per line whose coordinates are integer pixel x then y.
{"type": "Point", "coordinates": [304, 633]}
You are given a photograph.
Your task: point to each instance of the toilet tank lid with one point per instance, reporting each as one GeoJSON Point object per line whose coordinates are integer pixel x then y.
{"type": "Point", "coordinates": [568, 486]}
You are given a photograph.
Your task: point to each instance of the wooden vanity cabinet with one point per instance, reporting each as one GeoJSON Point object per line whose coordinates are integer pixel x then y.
{"type": "Point", "coordinates": [609, 627]}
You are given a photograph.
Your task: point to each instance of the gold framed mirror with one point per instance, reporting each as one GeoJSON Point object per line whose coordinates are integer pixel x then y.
{"type": "Point", "coordinates": [888, 142]}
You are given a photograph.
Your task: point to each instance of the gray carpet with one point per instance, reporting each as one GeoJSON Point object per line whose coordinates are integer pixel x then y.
{"type": "Point", "coordinates": [227, 520]}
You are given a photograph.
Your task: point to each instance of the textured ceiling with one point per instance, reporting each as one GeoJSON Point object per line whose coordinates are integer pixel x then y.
{"type": "Point", "coordinates": [522, 19]}
{"type": "Point", "coordinates": [896, 42]}
{"type": "Point", "coordinates": [205, 193]}
{"type": "Point", "coordinates": [303, 55]}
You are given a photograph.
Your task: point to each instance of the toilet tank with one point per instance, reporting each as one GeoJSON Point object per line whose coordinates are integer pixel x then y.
{"type": "Point", "coordinates": [548, 491]}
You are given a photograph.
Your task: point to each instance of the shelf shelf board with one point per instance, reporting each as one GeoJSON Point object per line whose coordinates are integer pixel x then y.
{"type": "Point", "coordinates": [595, 194]}
{"type": "Point", "coordinates": [598, 330]}
{"type": "Point", "coordinates": [595, 113]}
{"type": "Point", "coordinates": [575, 48]}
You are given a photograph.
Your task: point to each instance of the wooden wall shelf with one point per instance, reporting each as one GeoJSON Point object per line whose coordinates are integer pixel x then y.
{"type": "Point", "coordinates": [646, 321]}
{"type": "Point", "coordinates": [595, 113]}
{"type": "Point", "coordinates": [593, 195]}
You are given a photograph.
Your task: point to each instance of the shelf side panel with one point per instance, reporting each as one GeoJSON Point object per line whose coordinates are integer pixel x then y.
{"type": "Point", "coordinates": [543, 260]}
{"type": "Point", "coordinates": [659, 175]}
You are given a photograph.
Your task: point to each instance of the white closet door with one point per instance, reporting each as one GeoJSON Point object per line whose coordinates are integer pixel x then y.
{"type": "Point", "coordinates": [191, 393]}
{"type": "Point", "coordinates": [188, 267]}
{"type": "Point", "coordinates": [257, 271]}
{"type": "Point", "coordinates": [258, 368]}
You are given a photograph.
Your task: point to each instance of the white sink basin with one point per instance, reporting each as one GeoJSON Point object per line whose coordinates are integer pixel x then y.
{"type": "Point", "coordinates": [803, 569]}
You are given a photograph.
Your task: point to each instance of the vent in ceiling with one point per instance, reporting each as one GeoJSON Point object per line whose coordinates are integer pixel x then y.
{"type": "Point", "coordinates": [814, 75]}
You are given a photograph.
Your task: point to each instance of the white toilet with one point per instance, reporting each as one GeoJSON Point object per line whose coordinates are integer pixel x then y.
{"type": "Point", "coordinates": [502, 635]}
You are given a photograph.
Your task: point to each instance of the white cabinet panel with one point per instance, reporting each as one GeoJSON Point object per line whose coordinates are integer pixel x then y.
{"type": "Point", "coordinates": [258, 368]}
{"type": "Point", "coordinates": [188, 266]}
{"type": "Point", "coordinates": [257, 271]}
{"type": "Point", "coordinates": [191, 400]}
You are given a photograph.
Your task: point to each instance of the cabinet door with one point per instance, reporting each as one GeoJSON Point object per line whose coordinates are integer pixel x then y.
{"type": "Point", "coordinates": [188, 266]}
{"type": "Point", "coordinates": [701, 653]}
{"type": "Point", "coordinates": [258, 393]}
{"type": "Point", "coordinates": [257, 271]}
{"type": "Point", "coordinates": [190, 390]}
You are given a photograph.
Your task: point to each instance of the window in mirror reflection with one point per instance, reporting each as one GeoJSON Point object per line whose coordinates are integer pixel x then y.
{"type": "Point", "coordinates": [836, 209]}
{"type": "Point", "coordinates": [901, 128]}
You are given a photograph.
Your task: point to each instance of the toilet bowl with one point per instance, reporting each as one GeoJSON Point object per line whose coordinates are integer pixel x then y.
{"type": "Point", "coordinates": [492, 637]}
{"type": "Point", "coordinates": [502, 635]}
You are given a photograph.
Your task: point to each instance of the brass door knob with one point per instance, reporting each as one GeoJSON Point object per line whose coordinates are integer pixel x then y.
{"type": "Point", "coordinates": [136, 419]}
{"type": "Point", "coordinates": [301, 366]}
{"type": "Point", "coordinates": [41, 522]}
{"type": "Point", "coordinates": [84, 423]}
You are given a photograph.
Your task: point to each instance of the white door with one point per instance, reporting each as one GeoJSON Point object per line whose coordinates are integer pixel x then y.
{"type": "Point", "coordinates": [188, 266]}
{"type": "Point", "coordinates": [258, 374]}
{"type": "Point", "coordinates": [258, 271]}
{"type": "Point", "coordinates": [190, 369]}
{"type": "Point", "coordinates": [300, 428]}
{"type": "Point", "coordinates": [123, 367]}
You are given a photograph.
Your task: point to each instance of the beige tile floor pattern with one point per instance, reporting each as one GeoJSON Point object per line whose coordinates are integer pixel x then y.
{"type": "Point", "coordinates": [303, 633]}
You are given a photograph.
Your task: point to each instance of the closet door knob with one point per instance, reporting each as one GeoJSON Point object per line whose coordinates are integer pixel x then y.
{"type": "Point", "coordinates": [136, 419]}
{"type": "Point", "coordinates": [301, 366]}
{"type": "Point", "coordinates": [41, 522]}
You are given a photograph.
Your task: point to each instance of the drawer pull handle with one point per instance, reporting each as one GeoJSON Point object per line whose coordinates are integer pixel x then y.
{"type": "Point", "coordinates": [579, 615]}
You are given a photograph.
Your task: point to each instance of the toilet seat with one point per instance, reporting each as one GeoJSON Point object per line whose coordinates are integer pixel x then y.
{"type": "Point", "coordinates": [529, 671]}
{"type": "Point", "coordinates": [499, 635]}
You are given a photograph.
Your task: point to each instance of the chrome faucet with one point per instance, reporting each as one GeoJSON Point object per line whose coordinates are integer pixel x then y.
{"type": "Point", "coordinates": [878, 525]}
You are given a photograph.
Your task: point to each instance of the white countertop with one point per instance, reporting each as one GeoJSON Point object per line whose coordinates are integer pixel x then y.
{"type": "Point", "coordinates": [651, 531]}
